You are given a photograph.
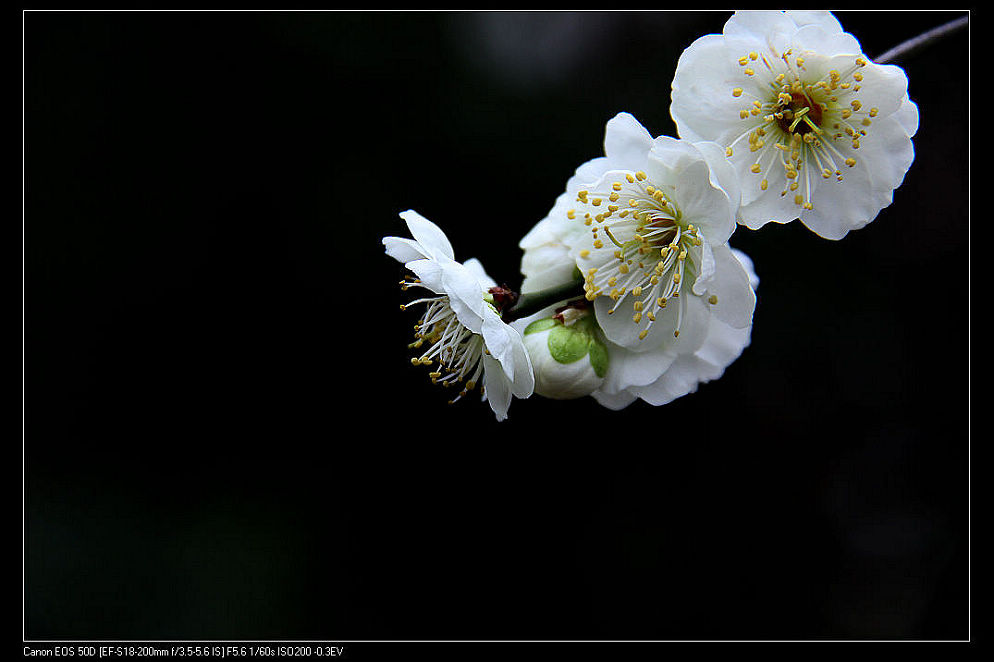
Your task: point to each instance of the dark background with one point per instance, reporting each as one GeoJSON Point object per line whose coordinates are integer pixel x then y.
{"type": "Point", "coordinates": [225, 438]}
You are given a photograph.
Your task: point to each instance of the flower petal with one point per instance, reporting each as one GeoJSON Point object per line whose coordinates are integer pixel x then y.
{"type": "Point", "coordinates": [705, 75]}
{"type": "Point", "coordinates": [814, 38]}
{"type": "Point", "coordinates": [475, 267]}
{"type": "Point", "coordinates": [523, 384]}
{"type": "Point", "coordinates": [723, 345]}
{"type": "Point", "coordinates": [497, 387]}
{"type": "Point", "coordinates": [735, 299]}
{"type": "Point", "coordinates": [682, 378]}
{"type": "Point", "coordinates": [626, 140]}
{"type": "Point", "coordinates": [746, 263]}
{"type": "Point", "coordinates": [498, 339]}
{"type": "Point", "coordinates": [907, 117]}
{"type": "Point", "coordinates": [766, 31]}
{"type": "Point", "coordinates": [465, 294]}
{"type": "Point", "coordinates": [429, 272]}
{"type": "Point", "coordinates": [627, 368]}
{"type": "Point", "coordinates": [689, 314]}
{"type": "Point", "coordinates": [680, 165]}
{"type": "Point", "coordinates": [433, 241]}
{"type": "Point", "coordinates": [820, 17]}
{"type": "Point", "coordinates": [404, 250]}
{"type": "Point", "coordinates": [614, 401]}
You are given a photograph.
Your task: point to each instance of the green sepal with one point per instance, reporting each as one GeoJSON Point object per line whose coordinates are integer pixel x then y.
{"type": "Point", "coordinates": [540, 325]}
{"type": "Point", "coordinates": [598, 357]}
{"type": "Point", "coordinates": [568, 345]}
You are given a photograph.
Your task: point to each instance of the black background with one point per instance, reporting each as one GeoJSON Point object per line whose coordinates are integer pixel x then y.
{"type": "Point", "coordinates": [225, 439]}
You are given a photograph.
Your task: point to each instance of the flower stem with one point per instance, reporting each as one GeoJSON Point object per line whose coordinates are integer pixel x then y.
{"type": "Point", "coordinates": [532, 302]}
{"type": "Point", "coordinates": [915, 44]}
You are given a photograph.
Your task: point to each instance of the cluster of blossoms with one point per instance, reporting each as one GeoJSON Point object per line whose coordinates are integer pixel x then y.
{"type": "Point", "coordinates": [780, 118]}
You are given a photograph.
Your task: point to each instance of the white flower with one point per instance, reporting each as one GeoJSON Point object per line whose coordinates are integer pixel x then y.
{"type": "Point", "coordinates": [461, 324]}
{"type": "Point", "coordinates": [710, 199]}
{"type": "Point", "coordinates": [814, 129]}
{"type": "Point", "coordinates": [567, 352]}
{"type": "Point", "coordinates": [646, 227]}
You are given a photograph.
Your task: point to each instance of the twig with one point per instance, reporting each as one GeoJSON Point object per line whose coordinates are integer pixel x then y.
{"type": "Point", "coordinates": [536, 301]}
{"type": "Point", "coordinates": [924, 39]}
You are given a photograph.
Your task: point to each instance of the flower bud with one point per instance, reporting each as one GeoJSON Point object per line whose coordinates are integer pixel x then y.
{"type": "Point", "coordinates": [568, 357]}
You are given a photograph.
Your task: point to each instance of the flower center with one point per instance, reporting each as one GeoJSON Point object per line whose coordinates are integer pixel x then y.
{"type": "Point", "coordinates": [457, 351]}
{"type": "Point", "coordinates": [801, 123]}
{"type": "Point", "coordinates": [799, 115]}
{"type": "Point", "coordinates": [649, 251]}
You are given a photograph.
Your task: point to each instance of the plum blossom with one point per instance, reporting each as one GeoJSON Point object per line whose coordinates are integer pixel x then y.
{"type": "Point", "coordinates": [645, 226]}
{"type": "Point", "coordinates": [814, 128]}
{"type": "Point", "coordinates": [467, 342]}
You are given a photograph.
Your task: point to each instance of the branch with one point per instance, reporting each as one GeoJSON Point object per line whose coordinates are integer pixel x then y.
{"type": "Point", "coordinates": [533, 302]}
{"type": "Point", "coordinates": [914, 44]}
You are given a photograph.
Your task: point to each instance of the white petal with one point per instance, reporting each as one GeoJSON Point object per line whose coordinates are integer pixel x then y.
{"type": "Point", "coordinates": [890, 153]}
{"type": "Point", "coordinates": [523, 384]}
{"type": "Point", "coordinates": [723, 175]}
{"type": "Point", "coordinates": [614, 401]}
{"type": "Point", "coordinates": [815, 39]}
{"type": "Point", "coordinates": [504, 344]}
{"type": "Point", "coordinates": [682, 378]}
{"type": "Point", "coordinates": [884, 87]}
{"type": "Point", "coordinates": [497, 387]}
{"type": "Point", "coordinates": [706, 73]}
{"type": "Point", "coordinates": [627, 368]}
{"type": "Point", "coordinates": [433, 241]}
{"type": "Point", "coordinates": [723, 345]}
{"type": "Point", "coordinates": [560, 274]}
{"type": "Point", "coordinates": [429, 272]}
{"type": "Point", "coordinates": [690, 311]}
{"type": "Point", "coordinates": [586, 173]}
{"type": "Point", "coordinates": [498, 339]}
{"type": "Point", "coordinates": [465, 294]}
{"type": "Point", "coordinates": [550, 228]}
{"type": "Point", "coordinates": [475, 267]}
{"type": "Point", "coordinates": [762, 207]}
{"type": "Point", "coordinates": [761, 31]}
{"type": "Point", "coordinates": [403, 249]}
{"type": "Point", "coordinates": [546, 261]}
{"type": "Point", "coordinates": [681, 165]}
{"type": "Point", "coordinates": [706, 268]}
{"type": "Point", "coordinates": [822, 18]}
{"type": "Point", "coordinates": [626, 141]}
{"type": "Point", "coordinates": [746, 263]}
{"type": "Point", "coordinates": [907, 117]}
{"type": "Point", "coordinates": [759, 207]}
{"type": "Point", "coordinates": [736, 300]}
